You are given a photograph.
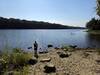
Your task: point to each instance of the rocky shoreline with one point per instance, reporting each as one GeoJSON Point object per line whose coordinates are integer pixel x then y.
{"type": "Point", "coordinates": [56, 61]}
{"type": "Point", "coordinates": [79, 62]}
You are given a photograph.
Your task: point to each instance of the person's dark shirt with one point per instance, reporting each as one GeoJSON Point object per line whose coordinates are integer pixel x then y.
{"type": "Point", "coordinates": [35, 46]}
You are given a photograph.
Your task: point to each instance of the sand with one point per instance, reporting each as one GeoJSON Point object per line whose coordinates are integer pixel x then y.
{"type": "Point", "coordinates": [79, 63]}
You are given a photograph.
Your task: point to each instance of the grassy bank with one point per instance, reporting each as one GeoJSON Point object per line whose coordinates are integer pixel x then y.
{"type": "Point", "coordinates": [15, 62]}
{"type": "Point", "coordinates": [95, 32]}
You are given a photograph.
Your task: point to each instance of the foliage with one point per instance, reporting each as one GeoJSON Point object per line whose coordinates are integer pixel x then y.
{"type": "Point", "coordinates": [93, 24]}
{"type": "Point", "coordinates": [66, 48]}
{"type": "Point", "coordinates": [16, 60]}
{"type": "Point", "coordinates": [13, 23]}
{"type": "Point", "coordinates": [98, 7]}
{"type": "Point", "coordinates": [24, 71]}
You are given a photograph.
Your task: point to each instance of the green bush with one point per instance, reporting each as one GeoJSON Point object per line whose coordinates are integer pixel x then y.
{"type": "Point", "coordinates": [17, 50]}
{"type": "Point", "coordinates": [17, 59]}
{"type": "Point", "coordinates": [20, 58]}
{"type": "Point", "coordinates": [66, 48]}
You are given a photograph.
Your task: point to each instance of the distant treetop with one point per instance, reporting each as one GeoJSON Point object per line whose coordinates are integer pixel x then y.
{"type": "Point", "coordinates": [13, 23]}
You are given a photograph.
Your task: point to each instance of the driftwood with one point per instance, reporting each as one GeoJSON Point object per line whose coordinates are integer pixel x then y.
{"type": "Point", "coordinates": [45, 60]}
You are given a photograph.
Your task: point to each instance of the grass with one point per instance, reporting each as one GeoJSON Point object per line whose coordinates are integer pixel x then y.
{"type": "Point", "coordinates": [67, 48]}
{"type": "Point", "coordinates": [24, 71]}
{"type": "Point", "coordinates": [16, 61]}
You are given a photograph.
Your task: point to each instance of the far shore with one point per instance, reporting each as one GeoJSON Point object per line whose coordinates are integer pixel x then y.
{"type": "Point", "coordinates": [94, 32]}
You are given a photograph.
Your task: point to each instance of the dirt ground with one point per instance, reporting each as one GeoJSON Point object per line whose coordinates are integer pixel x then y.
{"type": "Point", "coordinates": [81, 62]}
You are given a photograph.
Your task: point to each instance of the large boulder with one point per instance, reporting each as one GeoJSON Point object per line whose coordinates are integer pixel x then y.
{"type": "Point", "coordinates": [49, 68]}
{"type": "Point", "coordinates": [50, 45]}
{"type": "Point", "coordinates": [98, 61]}
{"type": "Point", "coordinates": [63, 54]}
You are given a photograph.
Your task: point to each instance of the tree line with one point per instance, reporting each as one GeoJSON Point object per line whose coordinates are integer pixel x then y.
{"type": "Point", "coordinates": [12, 23]}
{"type": "Point", "coordinates": [94, 24]}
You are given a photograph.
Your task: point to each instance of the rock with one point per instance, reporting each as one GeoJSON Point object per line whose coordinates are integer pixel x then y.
{"type": "Point", "coordinates": [56, 48]}
{"type": "Point", "coordinates": [69, 53]}
{"type": "Point", "coordinates": [98, 61]}
{"type": "Point", "coordinates": [29, 48]}
{"type": "Point", "coordinates": [97, 71]}
{"type": "Point", "coordinates": [43, 52]}
{"type": "Point", "coordinates": [50, 46]}
{"type": "Point", "coordinates": [32, 61]}
{"type": "Point", "coordinates": [73, 46]}
{"type": "Point", "coordinates": [49, 68]}
{"type": "Point", "coordinates": [63, 55]}
{"type": "Point", "coordinates": [65, 49]}
{"type": "Point", "coordinates": [59, 53]}
{"type": "Point", "coordinates": [45, 60]}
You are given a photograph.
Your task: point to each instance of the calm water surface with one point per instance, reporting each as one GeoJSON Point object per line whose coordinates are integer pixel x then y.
{"type": "Point", "coordinates": [25, 38]}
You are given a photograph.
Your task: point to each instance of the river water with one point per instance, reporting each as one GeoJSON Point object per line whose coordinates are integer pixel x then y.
{"type": "Point", "coordinates": [25, 38]}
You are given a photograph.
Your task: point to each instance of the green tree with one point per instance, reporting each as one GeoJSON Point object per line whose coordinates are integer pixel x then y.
{"type": "Point", "coordinates": [98, 8]}
{"type": "Point", "coordinates": [92, 23]}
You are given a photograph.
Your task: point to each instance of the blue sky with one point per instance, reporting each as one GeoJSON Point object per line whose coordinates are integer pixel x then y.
{"type": "Point", "coordinates": [68, 12]}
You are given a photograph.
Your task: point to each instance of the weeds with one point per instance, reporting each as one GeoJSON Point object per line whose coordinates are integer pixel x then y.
{"type": "Point", "coordinates": [67, 48]}
{"type": "Point", "coordinates": [15, 61]}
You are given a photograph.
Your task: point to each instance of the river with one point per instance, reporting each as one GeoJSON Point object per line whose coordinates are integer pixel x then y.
{"type": "Point", "coordinates": [25, 38]}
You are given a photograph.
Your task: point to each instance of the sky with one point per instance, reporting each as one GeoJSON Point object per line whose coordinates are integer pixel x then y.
{"type": "Point", "coordinates": [67, 12]}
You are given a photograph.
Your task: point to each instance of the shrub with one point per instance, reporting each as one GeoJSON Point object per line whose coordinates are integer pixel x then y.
{"type": "Point", "coordinates": [70, 48]}
{"type": "Point", "coordinates": [66, 48]}
{"type": "Point", "coordinates": [15, 60]}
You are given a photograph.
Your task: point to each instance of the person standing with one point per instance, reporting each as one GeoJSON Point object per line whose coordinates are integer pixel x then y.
{"type": "Point", "coordinates": [35, 49]}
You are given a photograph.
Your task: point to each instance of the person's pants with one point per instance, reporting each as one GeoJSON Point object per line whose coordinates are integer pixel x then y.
{"type": "Point", "coordinates": [35, 54]}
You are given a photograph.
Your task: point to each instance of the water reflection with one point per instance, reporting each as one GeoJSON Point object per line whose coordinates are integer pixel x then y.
{"type": "Point", "coordinates": [93, 40]}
